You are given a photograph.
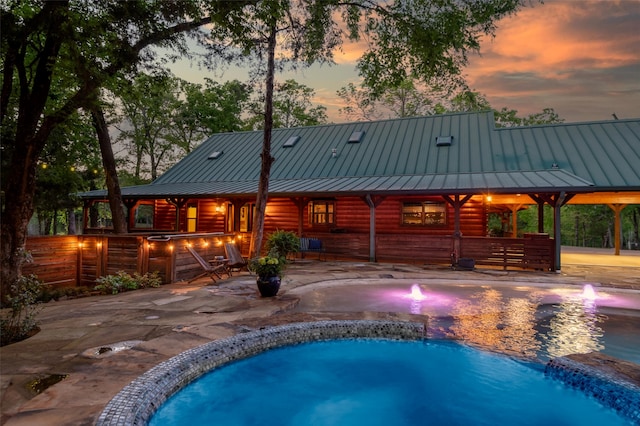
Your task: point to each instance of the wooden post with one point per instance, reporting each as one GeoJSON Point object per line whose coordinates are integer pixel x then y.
{"type": "Point", "coordinates": [617, 209]}
{"type": "Point", "coordinates": [457, 203]}
{"type": "Point", "coordinates": [514, 219]}
{"type": "Point", "coordinates": [372, 203]}
{"type": "Point", "coordinates": [178, 203]}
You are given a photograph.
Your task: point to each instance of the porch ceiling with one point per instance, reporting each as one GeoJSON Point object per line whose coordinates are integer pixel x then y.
{"type": "Point", "coordinates": [632, 197]}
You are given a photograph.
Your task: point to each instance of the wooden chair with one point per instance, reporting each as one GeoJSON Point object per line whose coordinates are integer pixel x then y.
{"type": "Point", "coordinates": [236, 261]}
{"type": "Point", "coordinates": [210, 271]}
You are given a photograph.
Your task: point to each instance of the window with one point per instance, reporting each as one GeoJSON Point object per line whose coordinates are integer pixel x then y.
{"type": "Point", "coordinates": [192, 217]}
{"type": "Point", "coordinates": [322, 212]}
{"type": "Point", "coordinates": [143, 216]}
{"type": "Point", "coordinates": [425, 213]}
{"type": "Point", "coordinates": [246, 217]}
{"type": "Point", "coordinates": [100, 215]}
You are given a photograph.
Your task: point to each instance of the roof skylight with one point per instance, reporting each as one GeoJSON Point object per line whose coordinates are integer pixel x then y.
{"type": "Point", "coordinates": [291, 141]}
{"type": "Point", "coordinates": [215, 154]}
{"type": "Point", "coordinates": [356, 136]}
{"type": "Point", "coordinates": [444, 140]}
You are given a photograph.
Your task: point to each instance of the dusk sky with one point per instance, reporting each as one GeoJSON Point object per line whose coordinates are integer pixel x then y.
{"type": "Point", "coordinates": [580, 57]}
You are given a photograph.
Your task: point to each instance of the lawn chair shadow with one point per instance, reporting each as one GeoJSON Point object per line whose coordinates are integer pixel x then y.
{"type": "Point", "coordinates": [210, 271]}
{"type": "Point", "coordinates": [236, 261]}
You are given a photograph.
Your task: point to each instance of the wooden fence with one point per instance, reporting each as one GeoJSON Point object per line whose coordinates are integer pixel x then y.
{"type": "Point", "coordinates": [54, 259]}
{"type": "Point", "coordinates": [67, 261]}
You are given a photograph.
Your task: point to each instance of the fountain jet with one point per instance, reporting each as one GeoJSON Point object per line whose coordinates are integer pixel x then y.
{"type": "Point", "coordinates": [588, 292]}
{"type": "Point", "coordinates": [416, 293]}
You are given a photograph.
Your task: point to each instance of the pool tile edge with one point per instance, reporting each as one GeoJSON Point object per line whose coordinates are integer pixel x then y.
{"type": "Point", "coordinates": [136, 403]}
{"type": "Point", "coordinates": [611, 388]}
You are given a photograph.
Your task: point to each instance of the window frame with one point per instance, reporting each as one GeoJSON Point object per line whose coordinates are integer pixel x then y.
{"type": "Point", "coordinates": [329, 213]}
{"type": "Point", "coordinates": [191, 221]}
{"type": "Point", "coordinates": [426, 218]}
{"type": "Point", "coordinates": [138, 223]}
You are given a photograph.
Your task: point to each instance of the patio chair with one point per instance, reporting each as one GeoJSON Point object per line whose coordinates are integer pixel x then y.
{"type": "Point", "coordinates": [236, 261]}
{"type": "Point", "coordinates": [210, 271]}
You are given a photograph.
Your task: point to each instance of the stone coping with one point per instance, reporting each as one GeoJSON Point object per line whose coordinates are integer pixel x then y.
{"type": "Point", "coordinates": [138, 401]}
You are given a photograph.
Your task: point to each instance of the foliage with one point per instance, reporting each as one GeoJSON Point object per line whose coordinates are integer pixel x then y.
{"type": "Point", "coordinates": [509, 118]}
{"type": "Point", "coordinates": [278, 244]}
{"type": "Point", "coordinates": [406, 99]}
{"type": "Point", "coordinates": [57, 56]}
{"type": "Point", "coordinates": [580, 225]}
{"type": "Point", "coordinates": [148, 103]}
{"type": "Point", "coordinates": [270, 265]}
{"type": "Point", "coordinates": [19, 316]}
{"type": "Point", "coordinates": [282, 243]}
{"type": "Point", "coordinates": [292, 107]}
{"type": "Point", "coordinates": [47, 293]}
{"type": "Point", "coordinates": [359, 105]}
{"type": "Point", "coordinates": [122, 281]}
{"type": "Point", "coordinates": [205, 110]}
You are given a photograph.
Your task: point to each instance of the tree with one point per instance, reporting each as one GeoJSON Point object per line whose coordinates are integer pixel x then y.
{"type": "Point", "coordinates": [70, 151]}
{"type": "Point", "coordinates": [292, 107]}
{"type": "Point", "coordinates": [148, 105]}
{"type": "Point", "coordinates": [161, 117]}
{"type": "Point", "coordinates": [56, 56]}
{"type": "Point", "coordinates": [423, 38]}
{"type": "Point", "coordinates": [203, 111]}
{"type": "Point", "coordinates": [403, 100]}
{"type": "Point", "coordinates": [359, 103]}
{"type": "Point", "coordinates": [406, 100]}
{"type": "Point", "coordinates": [468, 100]}
{"type": "Point", "coordinates": [509, 118]}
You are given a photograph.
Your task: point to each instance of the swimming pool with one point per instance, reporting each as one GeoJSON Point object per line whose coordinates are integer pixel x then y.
{"type": "Point", "coordinates": [526, 320]}
{"type": "Point", "coordinates": [139, 400]}
{"type": "Point", "coordinates": [379, 382]}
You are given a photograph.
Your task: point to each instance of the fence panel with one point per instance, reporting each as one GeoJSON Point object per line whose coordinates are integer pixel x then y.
{"type": "Point", "coordinates": [55, 259]}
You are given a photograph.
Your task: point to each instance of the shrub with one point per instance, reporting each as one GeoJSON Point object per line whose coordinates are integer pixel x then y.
{"type": "Point", "coordinates": [114, 284]}
{"type": "Point", "coordinates": [283, 242]}
{"type": "Point", "coordinates": [18, 320]}
{"type": "Point", "coordinates": [270, 265]}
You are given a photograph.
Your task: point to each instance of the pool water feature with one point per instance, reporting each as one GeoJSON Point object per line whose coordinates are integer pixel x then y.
{"type": "Point", "coordinates": [380, 382]}
{"type": "Point", "coordinates": [524, 320]}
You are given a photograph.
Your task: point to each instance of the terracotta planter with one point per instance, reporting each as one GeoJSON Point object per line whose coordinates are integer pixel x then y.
{"type": "Point", "coordinates": [268, 286]}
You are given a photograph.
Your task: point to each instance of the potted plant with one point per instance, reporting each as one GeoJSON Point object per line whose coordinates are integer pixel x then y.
{"type": "Point", "coordinates": [283, 242]}
{"type": "Point", "coordinates": [269, 270]}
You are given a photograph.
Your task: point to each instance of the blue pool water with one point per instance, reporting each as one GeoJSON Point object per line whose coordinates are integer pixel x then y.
{"type": "Point", "coordinates": [380, 382]}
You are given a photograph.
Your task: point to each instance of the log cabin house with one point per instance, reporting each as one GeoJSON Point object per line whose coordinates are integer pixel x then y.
{"type": "Point", "coordinates": [414, 190]}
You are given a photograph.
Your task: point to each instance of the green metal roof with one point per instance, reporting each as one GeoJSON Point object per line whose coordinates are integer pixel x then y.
{"type": "Point", "coordinates": [403, 156]}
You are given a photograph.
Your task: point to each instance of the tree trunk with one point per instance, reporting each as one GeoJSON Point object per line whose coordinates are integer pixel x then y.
{"type": "Point", "coordinates": [267, 159]}
{"type": "Point", "coordinates": [71, 222]}
{"type": "Point", "coordinates": [30, 140]}
{"type": "Point", "coordinates": [109, 164]}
